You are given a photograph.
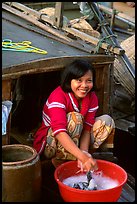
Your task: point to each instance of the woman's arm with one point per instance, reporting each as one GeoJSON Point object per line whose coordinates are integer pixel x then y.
{"type": "Point", "coordinates": [69, 145]}
{"type": "Point", "coordinates": [88, 162]}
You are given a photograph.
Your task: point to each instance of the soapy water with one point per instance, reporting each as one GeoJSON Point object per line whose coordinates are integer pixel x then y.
{"type": "Point", "coordinates": [101, 181]}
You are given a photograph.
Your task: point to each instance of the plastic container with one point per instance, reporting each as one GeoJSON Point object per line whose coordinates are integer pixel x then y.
{"type": "Point", "coordinates": [70, 194]}
{"type": "Point", "coordinates": [21, 173]}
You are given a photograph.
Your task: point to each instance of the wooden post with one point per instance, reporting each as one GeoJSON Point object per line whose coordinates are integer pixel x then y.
{"type": "Point", "coordinates": [6, 89]}
{"type": "Point", "coordinates": [113, 19]}
{"type": "Point", "coordinates": [6, 95]}
{"type": "Point", "coordinates": [58, 16]}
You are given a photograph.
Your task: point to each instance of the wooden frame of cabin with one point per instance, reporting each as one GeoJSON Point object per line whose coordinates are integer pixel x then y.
{"type": "Point", "coordinates": [104, 80]}
{"type": "Point", "coordinates": [61, 51]}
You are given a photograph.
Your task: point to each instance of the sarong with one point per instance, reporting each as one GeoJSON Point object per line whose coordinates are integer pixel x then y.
{"type": "Point", "coordinates": [102, 132]}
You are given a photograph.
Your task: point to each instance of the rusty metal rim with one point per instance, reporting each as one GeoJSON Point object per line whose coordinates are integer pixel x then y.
{"type": "Point", "coordinates": [34, 154]}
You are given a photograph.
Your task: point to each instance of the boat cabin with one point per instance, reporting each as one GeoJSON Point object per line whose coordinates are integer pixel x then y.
{"type": "Point", "coordinates": [33, 58]}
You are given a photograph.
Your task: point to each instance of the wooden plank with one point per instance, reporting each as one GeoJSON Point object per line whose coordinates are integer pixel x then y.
{"type": "Point", "coordinates": [6, 90]}
{"type": "Point", "coordinates": [21, 138]}
{"type": "Point", "coordinates": [28, 11]}
{"type": "Point", "coordinates": [123, 7]}
{"type": "Point", "coordinates": [127, 195]}
{"type": "Point", "coordinates": [51, 64]}
{"type": "Point", "coordinates": [58, 16]}
{"type": "Point", "coordinates": [35, 22]}
{"type": "Point", "coordinates": [73, 31]}
{"type": "Point", "coordinates": [120, 16]}
{"type": "Point", "coordinates": [79, 44]}
{"type": "Point", "coordinates": [131, 181]}
{"type": "Point", "coordinates": [93, 40]}
{"type": "Point", "coordinates": [108, 89]}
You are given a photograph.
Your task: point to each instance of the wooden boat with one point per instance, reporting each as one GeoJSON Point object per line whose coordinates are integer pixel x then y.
{"type": "Point", "coordinates": [28, 78]}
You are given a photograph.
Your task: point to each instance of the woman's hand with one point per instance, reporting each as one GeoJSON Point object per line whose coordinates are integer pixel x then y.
{"type": "Point", "coordinates": [88, 163]}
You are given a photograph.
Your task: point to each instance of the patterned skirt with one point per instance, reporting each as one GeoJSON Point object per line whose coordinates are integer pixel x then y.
{"type": "Point", "coordinates": [102, 132]}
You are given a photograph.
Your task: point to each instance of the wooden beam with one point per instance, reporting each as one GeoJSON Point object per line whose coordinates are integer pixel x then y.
{"type": "Point", "coordinates": [28, 11]}
{"type": "Point", "coordinates": [85, 37]}
{"type": "Point", "coordinates": [93, 40]}
{"type": "Point", "coordinates": [79, 44]}
{"type": "Point", "coordinates": [58, 16]}
{"type": "Point", "coordinates": [52, 64]}
{"type": "Point", "coordinates": [36, 22]}
{"type": "Point", "coordinates": [120, 16]}
{"type": "Point", "coordinates": [6, 90]}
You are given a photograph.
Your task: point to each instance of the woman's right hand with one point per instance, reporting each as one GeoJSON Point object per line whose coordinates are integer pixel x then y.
{"type": "Point", "coordinates": [88, 163]}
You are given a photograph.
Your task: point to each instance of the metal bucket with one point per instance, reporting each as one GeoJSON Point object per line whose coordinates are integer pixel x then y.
{"type": "Point", "coordinates": [21, 173]}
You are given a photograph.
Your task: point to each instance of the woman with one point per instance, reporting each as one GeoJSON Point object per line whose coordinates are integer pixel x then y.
{"type": "Point", "coordinates": [69, 125]}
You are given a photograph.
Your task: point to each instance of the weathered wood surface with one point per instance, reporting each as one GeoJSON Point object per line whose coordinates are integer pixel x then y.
{"type": "Point", "coordinates": [78, 23]}
{"type": "Point", "coordinates": [79, 44]}
{"type": "Point", "coordinates": [120, 16]}
{"type": "Point", "coordinates": [59, 54]}
{"type": "Point", "coordinates": [33, 20]}
{"type": "Point", "coordinates": [124, 8]}
{"type": "Point", "coordinates": [58, 17]}
{"type": "Point", "coordinates": [6, 90]}
{"type": "Point", "coordinates": [51, 64]}
{"type": "Point", "coordinates": [85, 37]}
{"type": "Point", "coordinates": [93, 40]}
{"type": "Point", "coordinates": [54, 48]}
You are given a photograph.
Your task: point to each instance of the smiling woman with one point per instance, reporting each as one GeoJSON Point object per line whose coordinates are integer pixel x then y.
{"type": "Point", "coordinates": [69, 119]}
{"type": "Point", "coordinates": [82, 86]}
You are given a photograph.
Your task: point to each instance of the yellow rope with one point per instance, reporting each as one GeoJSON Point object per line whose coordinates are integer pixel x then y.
{"type": "Point", "coordinates": [24, 46]}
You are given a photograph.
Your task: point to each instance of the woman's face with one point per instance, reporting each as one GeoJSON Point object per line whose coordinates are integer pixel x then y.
{"type": "Point", "coordinates": [82, 85]}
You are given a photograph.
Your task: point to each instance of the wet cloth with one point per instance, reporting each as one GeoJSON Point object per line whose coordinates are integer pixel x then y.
{"type": "Point", "coordinates": [102, 132]}
{"type": "Point", "coordinates": [6, 109]}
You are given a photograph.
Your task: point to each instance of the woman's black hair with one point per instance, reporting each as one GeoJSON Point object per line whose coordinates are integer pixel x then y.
{"type": "Point", "coordinates": [75, 70]}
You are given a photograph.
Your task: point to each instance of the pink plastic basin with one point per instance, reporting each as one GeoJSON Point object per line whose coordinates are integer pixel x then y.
{"type": "Point", "coordinates": [70, 194]}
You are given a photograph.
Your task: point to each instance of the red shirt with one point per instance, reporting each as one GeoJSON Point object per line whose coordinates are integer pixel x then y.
{"type": "Point", "coordinates": [54, 113]}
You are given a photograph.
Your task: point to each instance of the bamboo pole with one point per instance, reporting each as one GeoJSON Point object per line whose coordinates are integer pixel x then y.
{"type": "Point", "coordinates": [93, 40]}
{"type": "Point", "coordinates": [119, 16]}
{"type": "Point", "coordinates": [107, 32]}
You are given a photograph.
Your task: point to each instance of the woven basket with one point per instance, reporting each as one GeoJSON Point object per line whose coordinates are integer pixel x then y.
{"type": "Point", "coordinates": [121, 72]}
